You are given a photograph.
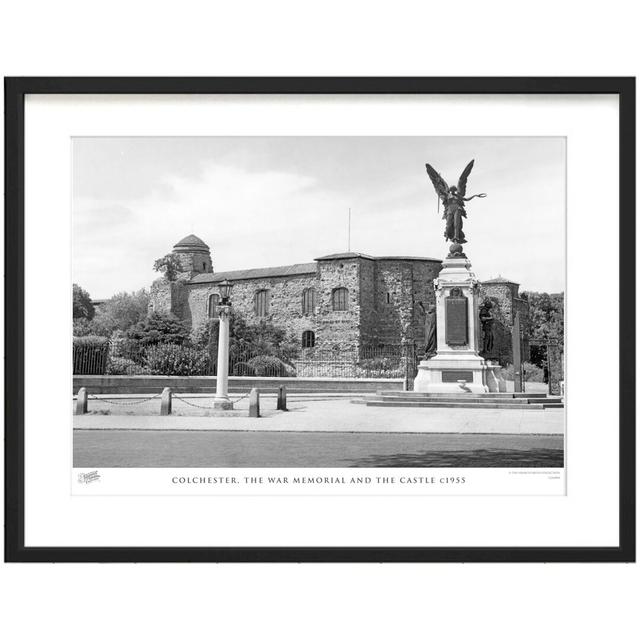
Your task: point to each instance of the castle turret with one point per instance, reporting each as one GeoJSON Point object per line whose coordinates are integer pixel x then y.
{"type": "Point", "coordinates": [194, 254]}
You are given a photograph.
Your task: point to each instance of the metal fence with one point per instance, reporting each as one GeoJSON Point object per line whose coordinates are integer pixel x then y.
{"type": "Point", "coordinates": [128, 357]}
{"type": "Point", "coordinates": [551, 352]}
{"type": "Point", "coordinates": [388, 361]}
{"type": "Point", "coordinates": [90, 359]}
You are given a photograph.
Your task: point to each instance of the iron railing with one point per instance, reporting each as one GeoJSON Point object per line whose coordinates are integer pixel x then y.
{"type": "Point", "coordinates": [129, 357]}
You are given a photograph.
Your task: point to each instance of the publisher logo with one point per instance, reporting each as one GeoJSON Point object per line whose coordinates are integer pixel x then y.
{"type": "Point", "coordinates": [90, 476]}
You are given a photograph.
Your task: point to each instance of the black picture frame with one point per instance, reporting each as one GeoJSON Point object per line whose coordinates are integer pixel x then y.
{"type": "Point", "coordinates": [15, 91]}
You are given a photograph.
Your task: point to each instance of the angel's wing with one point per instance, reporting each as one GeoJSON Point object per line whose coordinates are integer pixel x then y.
{"type": "Point", "coordinates": [462, 182]}
{"type": "Point", "coordinates": [439, 184]}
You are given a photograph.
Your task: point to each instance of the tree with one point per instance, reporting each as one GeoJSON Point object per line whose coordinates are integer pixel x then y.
{"type": "Point", "coordinates": [169, 266]}
{"type": "Point", "coordinates": [546, 317]}
{"type": "Point", "coordinates": [120, 312]}
{"type": "Point", "coordinates": [82, 305]}
{"type": "Point", "coordinates": [262, 336]}
{"type": "Point", "coordinates": [159, 327]}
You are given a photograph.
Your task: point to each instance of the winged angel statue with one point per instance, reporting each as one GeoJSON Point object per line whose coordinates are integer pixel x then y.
{"type": "Point", "coordinates": [453, 200]}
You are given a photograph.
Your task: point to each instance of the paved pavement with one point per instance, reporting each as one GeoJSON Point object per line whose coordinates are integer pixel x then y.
{"type": "Point", "coordinates": [113, 448]}
{"type": "Point", "coordinates": [320, 414]}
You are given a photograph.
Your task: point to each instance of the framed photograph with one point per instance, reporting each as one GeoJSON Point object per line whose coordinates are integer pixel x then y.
{"type": "Point", "coordinates": [320, 319]}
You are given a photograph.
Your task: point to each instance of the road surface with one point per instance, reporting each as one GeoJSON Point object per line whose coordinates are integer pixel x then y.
{"type": "Point", "coordinates": [174, 448]}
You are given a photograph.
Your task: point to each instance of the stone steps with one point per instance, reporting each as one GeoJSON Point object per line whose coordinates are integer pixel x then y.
{"type": "Point", "coordinates": [526, 401]}
{"type": "Point", "coordinates": [463, 405]}
{"type": "Point", "coordinates": [458, 399]}
{"type": "Point", "coordinates": [416, 394]}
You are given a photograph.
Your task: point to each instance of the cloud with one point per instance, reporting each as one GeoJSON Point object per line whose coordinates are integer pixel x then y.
{"type": "Point", "coordinates": [277, 213]}
{"type": "Point", "coordinates": [257, 218]}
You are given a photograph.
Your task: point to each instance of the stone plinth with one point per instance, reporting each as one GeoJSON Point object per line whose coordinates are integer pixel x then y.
{"type": "Point", "coordinates": [457, 366]}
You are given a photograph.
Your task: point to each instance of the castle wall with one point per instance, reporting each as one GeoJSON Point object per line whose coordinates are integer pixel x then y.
{"type": "Point", "coordinates": [368, 312]}
{"type": "Point", "coordinates": [394, 301]}
{"type": "Point", "coordinates": [170, 297]}
{"type": "Point", "coordinates": [398, 286]}
{"type": "Point", "coordinates": [339, 327]}
{"type": "Point", "coordinates": [382, 309]}
{"type": "Point", "coordinates": [285, 302]}
{"type": "Point", "coordinates": [382, 300]}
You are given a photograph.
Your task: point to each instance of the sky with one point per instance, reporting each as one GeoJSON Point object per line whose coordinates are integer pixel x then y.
{"type": "Point", "coordinates": [270, 201]}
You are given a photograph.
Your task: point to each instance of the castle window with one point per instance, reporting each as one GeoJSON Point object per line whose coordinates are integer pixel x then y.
{"type": "Point", "coordinates": [261, 303]}
{"type": "Point", "coordinates": [388, 298]}
{"type": "Point", "coordinates": [212, 306]}
{"type": "Point", "coordinates": [308, 301]}
{"type": "Point", "coordinates": [308, 339]}
{"type": "Point", "coordinates": [340, 299]}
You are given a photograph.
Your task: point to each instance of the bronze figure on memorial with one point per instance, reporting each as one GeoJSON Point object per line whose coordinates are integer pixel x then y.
{"type": "Point", "coordinates": [430, 331]}
{"type": "Point", "coordinates": [486, 321]}
{"type": "Point", "coordinates": [453, 199]}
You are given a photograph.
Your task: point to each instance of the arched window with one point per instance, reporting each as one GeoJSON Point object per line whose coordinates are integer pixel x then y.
{"type": "Point", "coordinates": [308, 339]}
{"type": "Point", "coordinates": [309, 301]}
{"type": "Point", "coordinates": [212, 305]}
{"type": "Point", "coordinates": [261, 303]}
{"type": "Point", "coordinates": [340, 298]}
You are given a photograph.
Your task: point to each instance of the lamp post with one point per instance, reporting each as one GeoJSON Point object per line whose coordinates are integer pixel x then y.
{"type": "Point", "coordinates": [221, 400]}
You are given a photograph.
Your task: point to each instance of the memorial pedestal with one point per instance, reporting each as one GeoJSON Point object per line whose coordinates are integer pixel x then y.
{"type": "Point", "coordinates": [457, 366]}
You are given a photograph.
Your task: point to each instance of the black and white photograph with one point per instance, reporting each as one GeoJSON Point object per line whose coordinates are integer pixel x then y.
{"type": "Point", "coordinates": [320, 320]}
{"type": "Point", "coordinates": [358, 324]}
{"type": "Point", "coordinates": [318, 302]}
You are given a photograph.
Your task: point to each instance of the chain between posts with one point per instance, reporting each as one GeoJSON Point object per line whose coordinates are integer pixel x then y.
{"type": "Point", "coordinates": [126, 402]}
{"type": "Point", "coordinates": [175, 397]}
{"type": "Point", "coordinates": [199, 406]}
{"type": "Point", "coordinates": [191, 404]}
{"type": "Point", "coordinates": [246, 395]}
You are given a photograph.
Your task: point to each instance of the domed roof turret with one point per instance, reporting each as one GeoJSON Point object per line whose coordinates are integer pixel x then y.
{"type": "Point", "coordinates": [191, 243]}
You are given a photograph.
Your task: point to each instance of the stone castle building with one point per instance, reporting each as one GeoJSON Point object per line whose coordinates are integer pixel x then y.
{"type": "Point", "coordinates": [348, 299]}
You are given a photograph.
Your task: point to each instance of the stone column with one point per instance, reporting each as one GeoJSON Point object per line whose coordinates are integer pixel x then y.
{"type": "Point", "coordinates": [221, 400]}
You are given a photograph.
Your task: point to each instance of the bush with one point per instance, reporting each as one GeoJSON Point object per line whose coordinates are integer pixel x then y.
{"type": "Point", "coordinates": [204, 336]}
{"type": "Point", "coordinates": [263, 337]}
{"type": "Point", "coordinates": [124, 367]}
{"type": "Point", "coordinates": [381, 367]}
{"type": "Point", "coordinates": [128, 349]}
{"type": "Point", "coordinates": [267, 366]}
{"type": "Point", "coordinates": [159, 328]}
{"type": "Point", "coordinates": [90, 355]}
{"type": "Point", "coordinates": [175, 360]}
{"type": "Point", "coordinates": [82, 327]}
{"type": "Point", "coordinates": [531, 373]}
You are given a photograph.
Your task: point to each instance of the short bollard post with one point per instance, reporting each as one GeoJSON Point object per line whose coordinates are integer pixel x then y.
{"type": "Point", "coordinates": [254, 403]}
{"type": "Point", "coordinates": [165, 402]}
{"type": "Point", "coordinates": [81, 401]}
{"type": "Point", "coordinates": [282, 398]}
